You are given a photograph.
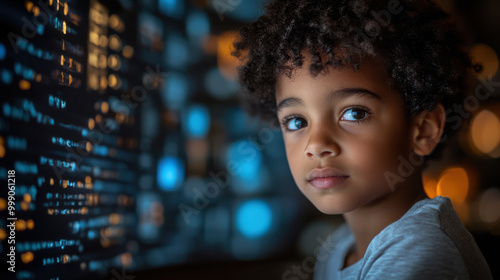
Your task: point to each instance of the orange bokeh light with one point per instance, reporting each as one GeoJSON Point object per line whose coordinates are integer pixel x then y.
{"type": "Point", "coordinates": [454, 183]}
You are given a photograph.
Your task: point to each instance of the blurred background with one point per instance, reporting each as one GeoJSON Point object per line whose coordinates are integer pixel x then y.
{"type": "Point", "coordinates": [134, 159]}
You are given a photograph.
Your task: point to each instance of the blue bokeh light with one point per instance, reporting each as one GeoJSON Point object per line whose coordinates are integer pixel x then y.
{"type": "Point", "coordinates": [6, 77]}
{"type": "Point", "coordinates": [172, 8]}
{"type": "Point", "coordinates": [176, 52]}
{"type": "Point", "coordinates": [248, 158]}
{"type": "Point", "coordinates": [175, 91]}
{"type": "Point", "coordinates": [197, 121]}
{"type": "Point", "coordinates": [170, 173]}
{"type": "Point", "coordinates": [254, 218]}
{"type": "Point", "coordinates": [197, 25]}
{"type": "Point", "coordinates": [3, 51]}
{"type": "Point", "coordinates": [245, 10]}
{"type": "Point", "coordinates": [218, 86]}
{"type": "Point", "coordinates": [101, 150]}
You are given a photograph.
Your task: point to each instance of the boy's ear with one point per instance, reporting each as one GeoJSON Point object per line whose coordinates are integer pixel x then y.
{"type": "Point", "coordinates": [427, 129]}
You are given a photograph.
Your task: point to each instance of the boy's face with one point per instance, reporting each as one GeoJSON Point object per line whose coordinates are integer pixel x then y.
{"type": "Point", "coordinates": [346, 126]}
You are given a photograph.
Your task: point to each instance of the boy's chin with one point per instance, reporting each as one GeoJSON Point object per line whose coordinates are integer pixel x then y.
{"type": "Point", "coordinates": [332, 209]}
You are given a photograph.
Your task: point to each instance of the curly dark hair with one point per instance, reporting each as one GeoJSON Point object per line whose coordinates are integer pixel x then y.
{"type": "Point", "coordinates": [422, 51]}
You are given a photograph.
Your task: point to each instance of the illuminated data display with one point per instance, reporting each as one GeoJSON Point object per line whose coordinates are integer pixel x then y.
{"type": "Point", "coordinates": [119, 142]}
{"type": "Point", "coordinates": [70, 138]}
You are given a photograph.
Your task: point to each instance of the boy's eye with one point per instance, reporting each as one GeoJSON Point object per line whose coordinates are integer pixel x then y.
{"type": "Point", "coordinates": [354, 114]}
{"type": "Point", "coordinates": [295, 123]}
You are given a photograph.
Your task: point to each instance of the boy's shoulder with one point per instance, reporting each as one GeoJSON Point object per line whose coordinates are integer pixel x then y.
{"type": "Point", "coordinates": [429, 223]}
{"type": "Point", "coordinates": [429, 239]}
{"type": "Point", "coordinates": [427, 216]}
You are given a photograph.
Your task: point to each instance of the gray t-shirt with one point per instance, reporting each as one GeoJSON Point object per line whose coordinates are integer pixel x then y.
{"type": "Point", "coordinates": [427, 242]}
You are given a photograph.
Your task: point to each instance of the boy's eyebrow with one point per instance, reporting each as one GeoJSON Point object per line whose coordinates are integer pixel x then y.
{"type": "Point", "coordinates": [340, 93]}
{"type": "Point", "coordinates": [289, 102]}
{"type": "Point", "coordinates": [348, 92]}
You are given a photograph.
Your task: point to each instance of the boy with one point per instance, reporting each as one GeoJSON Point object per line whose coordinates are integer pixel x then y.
{"type": "Point", "coordinates": [355, 86]}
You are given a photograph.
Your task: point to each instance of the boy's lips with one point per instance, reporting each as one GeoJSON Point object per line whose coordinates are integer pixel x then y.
{"type": "Point", "coordinates": [326, 178]}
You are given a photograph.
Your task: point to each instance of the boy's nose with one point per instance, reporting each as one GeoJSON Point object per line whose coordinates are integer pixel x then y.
{"type": "Point", "coordinates": [321, 143]}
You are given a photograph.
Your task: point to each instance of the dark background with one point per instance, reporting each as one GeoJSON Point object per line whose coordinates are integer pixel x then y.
{"type": "Point", "coordinates": [134, 159]}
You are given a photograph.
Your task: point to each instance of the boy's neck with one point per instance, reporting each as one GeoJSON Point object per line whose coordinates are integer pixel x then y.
{"type": "Point", "coordinates": [366, 222]}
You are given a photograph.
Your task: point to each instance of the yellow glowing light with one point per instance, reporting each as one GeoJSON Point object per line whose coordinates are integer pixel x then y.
{"type": "Point", "coordinates": [88, 179]}
{"type": "Point", "coordinates": [57, 5]}
{"type": "Point", "coordinates": [88, 146]}
{"type": "Point", "coordinates": [27, 257]}
{"type": "Point", "coordinates": [64, 27]}
{"type": "Point", "coordinates": [115, 43]}
{"type": "Point", "coordinates": [20, 225]}
{"type": "Point", "coordinates": [36, 11]}
{"type": "Point", "coordinates": [93, 59]}
{"type": "Point", "coordinates": [114, 21]}
{"type": "Point", "coordinates": [103, 82]}
{"type": "Point", "coordinates": [485, 131]}
{"type": "Point", "coordinates": [126, 259]}
{"type": "Point", "coordinates": [93, 82]}
{"type": "Point", "coordinates": [487, 57]}
{"type": "Point", "coordinates": [114, 219]}
{"type": "Point", "coordinates": [114, 62]}
{"type": "Point", "coordinates": [3, 204]}
{"type": "Point", "coordinates": [115, 82]}
{"type": "Point", "coordinates": [38, 77]}
{"type": "Point", "coordinates": [3, 234]}
{"type": "Point", "coordinates": [98, 118]}
{"type": "Point", "coordinates": [454, 183]}
{"type": "Point", "coordinates": [24, 85]}
{"type": "Point", "coordinates": [2, 151]}
{"type": "Point", "coordinates": [29, 6]}
{"type": "Point", "coordinates": [128, 51]}
{"type": "Point", "coordinates": [65, 183]}
{"type": "Point", "coordinates": [94, 37]}
{"type": "Point", "coordinates": [51, 181]}
{"type": "Point", "coordinates": [65, 258]}
{"type": "Point", "coordinates": [112, 80]}
{"type": "Point", "coordinates": [91, 123]}
{"type": "Point", "coordinates": [227, 63]}
{"type": "Point", "coordinates": [66, 9]}
{"type": "Point", "coordinates": [120, 117]}
{"type": "Point", "coordinates": [103, 41]}
{"type": "Point", "coordinates": [104, 107]}
{"type": "Point", "coordinates": [430, 186]}
{"type": "Point", "coordinates": [51, 2]}
{"type": "Point", "coordinates": [30, 224]}
{"type": "Point", "coordinates": [103, 61]}
{"type": "Point", "coordinates": [27, 197]}
{"type": "Point", "coordinates": [24, 205]}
